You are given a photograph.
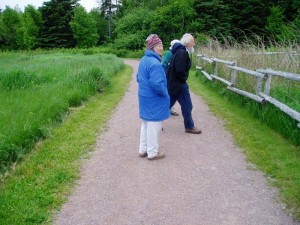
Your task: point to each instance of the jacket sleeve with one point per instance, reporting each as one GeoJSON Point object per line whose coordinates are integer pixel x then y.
{"type": "Point", "coordinates": [166, 59]}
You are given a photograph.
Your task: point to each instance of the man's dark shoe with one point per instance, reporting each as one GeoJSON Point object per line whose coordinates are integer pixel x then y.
{"type": "Point", "coordinates": [158, 156]}
{"type": "Point", "coordinates": [142, 155]}
{"type": "Point", "coordinates": [173, 113]}
{"type": "Point", "coordinates": [194, 130]}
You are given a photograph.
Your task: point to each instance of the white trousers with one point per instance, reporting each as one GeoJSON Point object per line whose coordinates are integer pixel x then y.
{"type": "Point", "coordinates": [149, 138]}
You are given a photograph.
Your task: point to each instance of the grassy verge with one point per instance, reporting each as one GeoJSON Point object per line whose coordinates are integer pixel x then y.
{"type": "Point", "coordinates": [40, 183]}
{"type": "Point", "coordinates": [270, 152]}
{"type": "Point", "coordinates": [37, 90]}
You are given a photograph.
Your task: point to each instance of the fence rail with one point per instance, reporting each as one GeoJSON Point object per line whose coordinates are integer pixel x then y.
{"type": "Point", "coordinates": [263, 82]}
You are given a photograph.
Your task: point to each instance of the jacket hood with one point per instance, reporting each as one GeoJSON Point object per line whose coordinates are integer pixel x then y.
{"type": "Point", "coordinates": [177, 46]}
{"type": "Point", "coordinates": [151, 53]}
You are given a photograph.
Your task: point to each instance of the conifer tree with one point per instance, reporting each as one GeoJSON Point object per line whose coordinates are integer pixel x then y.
{"type": "Point", "coordinates": [56, 31]}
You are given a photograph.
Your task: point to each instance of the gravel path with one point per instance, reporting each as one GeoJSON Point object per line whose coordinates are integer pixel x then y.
{"type": "Point", "coordinates": [204, 179]}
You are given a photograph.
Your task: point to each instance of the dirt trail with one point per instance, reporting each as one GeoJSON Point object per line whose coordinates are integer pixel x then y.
{"type": "Point", "coordinates": [203, 180]}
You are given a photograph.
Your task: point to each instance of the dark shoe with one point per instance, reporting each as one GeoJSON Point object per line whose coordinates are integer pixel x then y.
{"type": "Point", "coordinates": [158, 156]}
{"type": "Point", "coordinates": [174, 114]}
{"type": "Point", "coordinates": [194, 130]}
{"type": "Point", "coordinates": [142, 155]}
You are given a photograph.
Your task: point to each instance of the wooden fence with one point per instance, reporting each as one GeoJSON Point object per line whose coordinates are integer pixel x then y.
{"type": "Point", "coordinates": [263, 82]}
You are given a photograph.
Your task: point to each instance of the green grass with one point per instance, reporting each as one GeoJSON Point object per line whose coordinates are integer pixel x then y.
{"type": "Point", "coordinates": [282, 89]}
{"type": "Point", "coordinates": [41, 182]}
{"type": "Point", "coordinates": [37, 89]}
{"type": "Point", "coordinates": [277, 157]}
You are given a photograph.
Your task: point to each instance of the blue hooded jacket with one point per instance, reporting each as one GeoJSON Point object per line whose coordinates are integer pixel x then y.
{"type": "Point", "coordinates": [154, 100]}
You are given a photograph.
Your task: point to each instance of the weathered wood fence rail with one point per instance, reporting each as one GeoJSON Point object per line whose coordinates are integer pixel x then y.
{"type": "Point", "coordinates": [263, 82]}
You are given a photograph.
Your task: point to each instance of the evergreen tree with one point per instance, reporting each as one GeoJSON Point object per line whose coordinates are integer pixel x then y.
{"type": "Point", "coordinates": [275, 22]}
{"type": "Point", "coordinates": [248, 18]}
{"type": "Point", "coordinates": [289, 8]}
{"type": "Point", "coordinates": [56, 31]}
{"type": "Point", "coordinates": [109, 8]}
{"type": "Point", "coordinates": [213, 17]}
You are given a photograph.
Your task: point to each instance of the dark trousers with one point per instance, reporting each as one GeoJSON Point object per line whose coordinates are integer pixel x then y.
{"type": "Point", "coordinates": [184, 99]}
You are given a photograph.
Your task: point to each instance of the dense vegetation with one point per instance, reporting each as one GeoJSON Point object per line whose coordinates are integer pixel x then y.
{"type": "Point", "coordinates": [38, 89]}
{"type": "Point", "coordinates": [254, 57]}
{"type": "Point", "coordinates": [126, 23]}
{"type": "Point", "coordinates": [36, 188]}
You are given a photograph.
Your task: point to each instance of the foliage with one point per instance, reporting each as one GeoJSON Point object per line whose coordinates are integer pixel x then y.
{"type": "Point", "coordinates": [152, 5]}
{"type": "Point", "coordinates": [178, 14]}
{"type": "Point", "coordinates": [101, 25]}
{"type": "Point", "coordinates": [31, 24]}
{"type": "Point", "coordinates": [39, 185]}
{"type": "Point", "coordinates": [11, 23]}
{"type": "Point", "coordinates": [56, 31]}
{"type": "Point", "coordinates": [132, 30]}
{"type": "Point", "coordinates": [214, 18]}
{"type": "Point", "coordinates": [275, 22]}
{"type": "Point", "coordinates": [84, 28]}
{"type": "Point", "coordinates": [37, 90]}
{"type": "Point", "coordinates": [238, 20]}
{"type": "Point", "coordinates": [284, 90]}
{"type": "Point", "coordinates": [133, 41]}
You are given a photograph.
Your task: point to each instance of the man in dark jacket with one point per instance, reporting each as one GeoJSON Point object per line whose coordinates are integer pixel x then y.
{"type": "Point", "coordinates": [177, 75]}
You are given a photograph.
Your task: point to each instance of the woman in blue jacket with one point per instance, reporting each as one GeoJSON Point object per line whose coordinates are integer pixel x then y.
{"type": "Point", "coordinates": [154, 100]}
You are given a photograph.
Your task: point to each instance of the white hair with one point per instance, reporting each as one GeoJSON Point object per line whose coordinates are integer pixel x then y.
{"type": "Point", "coordinates": [173, 42]}
{"type": "Point", "coordinates": [186, 39]}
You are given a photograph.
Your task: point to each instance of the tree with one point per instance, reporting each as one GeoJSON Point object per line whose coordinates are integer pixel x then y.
{"type": "Point", "coordinates": [11, 24]}
{"type": "Point", "coordinates": [248, 18]}
{"type": "Point", "coordinates": [56, 31]}
{"type": "Point", "coordinates": [31, 23]}
{"type": "Point", "coordinates": [84, 28]}
{"type": "Point", "coordinates": [2, 39]}
{"type": "Point", "coordinates": [213, 18]}
{"type": "Point", "coordinates": [275, 22]}
{"type": "Point", "coordinates": [108, 8]}
{"type": "Point", "coordinates": [101, 25]}
{"type": "Point", "coordinates": [132, 30]}
{"type": "Point", "coordinates": [179, 15]}
{"type": "Point", "coordinates": [152, 4]}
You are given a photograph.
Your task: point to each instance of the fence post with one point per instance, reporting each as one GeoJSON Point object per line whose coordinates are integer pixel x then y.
{"type": "Point", "coordinates": [268, 84]}
{"type": "Point", "coordinates": [258, 87]}
{"type": "Point", "coordinates": [233, 74]}
{"type": "Point", "coordinates": [215, 68]}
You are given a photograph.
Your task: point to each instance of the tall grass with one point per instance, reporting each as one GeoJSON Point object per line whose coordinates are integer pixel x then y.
{"type": "Point", "coordinates": [38, 89]}
{"type": "Point", "coordinates": [37, 187]}
{"type": "Point", "coordinates": [254, 56]}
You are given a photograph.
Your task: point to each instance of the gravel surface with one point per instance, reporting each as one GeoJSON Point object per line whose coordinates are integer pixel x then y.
{"type": "Point", "coordinates": [204, 179]}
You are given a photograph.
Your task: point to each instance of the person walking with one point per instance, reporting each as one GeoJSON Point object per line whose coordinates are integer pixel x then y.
{"type": "Point", "coordinates": [177, 75]}
{"type": "Point", "coordinates": [154, 100]}
{"type": "Point", "coordinates": [165, 63]}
